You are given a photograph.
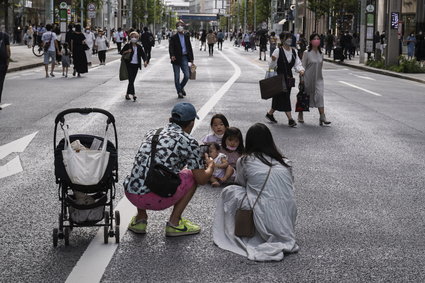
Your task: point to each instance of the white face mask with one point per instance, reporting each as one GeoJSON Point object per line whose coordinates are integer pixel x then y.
{"type": "Point", "coordinates": [133, 40]}
{"type": "Point", "coordinates": [288, 42]}
{"type": "Point", "coordinates": [180, 28]}
{"type": "Point", "coordinates": [219, 136]}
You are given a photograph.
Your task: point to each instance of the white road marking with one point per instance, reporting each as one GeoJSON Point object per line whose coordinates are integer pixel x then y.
{"type": "Point", "coordinates": [5, 105]}
{"type": "Point", "coordinates": [92, 264]}
{"type": "Point", "coordinates": [333, 70]}
{"type": "Point", "coordinates": [18, 145]}
{"type": "Point", "coordinates": [11, 168]}
{"type": "Point", "coordinates": [363, 77]}
{"type": "Point", "coordinates": [365, 90]}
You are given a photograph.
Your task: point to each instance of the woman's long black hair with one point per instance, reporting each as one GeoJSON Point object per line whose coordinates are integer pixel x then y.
{"type": "Point", "coordinates": [259, 143]}
{"type": "Point", "coordinates": [309, 43]}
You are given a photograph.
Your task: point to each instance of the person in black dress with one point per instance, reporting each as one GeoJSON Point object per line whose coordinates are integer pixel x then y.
{"type": "Point", "coordinates": [78, 41]}
{"type": "Point", "coordinates": [287, 58]}
{"type": "Point", "coordinates": [135, 62]}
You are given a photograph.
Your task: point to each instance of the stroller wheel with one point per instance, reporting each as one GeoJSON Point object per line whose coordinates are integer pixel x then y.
{"type": "Point", "coordinates": [117, 218]}
{"type": "Point", "coordinates": [105, 228]}
{"type": "Point", "coordinates": [66, 236]}
{"type": "Point", "coordinates": [55, 237]}
{"type": "Point", "coordinates": [117, 234]}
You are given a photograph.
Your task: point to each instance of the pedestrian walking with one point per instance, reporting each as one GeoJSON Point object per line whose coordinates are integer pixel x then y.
{"type": "Point", "coordinates": [246, 41]}
{"type": "Point", "coordinates": [66, 60]}
{"type": "Point", "coordinates": [313, 78]}
{"type": "Point", "coordinates": [253, 41]}
{"type": "Point", "coordinates": [265, 186]}
{"type": "Point", "coordinates": [101, 44]}
{"type": "Point", "coordinates": [78, 51]}
{"type": "Point", "coordinates": [51, 48]}
{"type": "Point", "coordinates": [286, 58]}
{"type": "Point", "coordinates": [148, 41]}
{"type": "Point", "coordinates": [159, 36]}
{"type": "Point", "coordinates": [302, 45]}
{"type": "Point", "coordinates": [30, 36]}
{"type": "Point", "coordinates": [420, 47]}
{"type": "Point", "coordinates": [329, 43]}
{"type": "Point", "coordinates": [135, 62]}
{"type": "Point", "coordinates": [411, 42]}
{"type": "Point", "coordinates": [273, 42]}
{"type": "Point", "coordinates": [263, 45]}
{"type": "Point", "coordinates": [181, 54]}
{"type": "Point", "coordinates": [90, 38]}
{"type": "Point", "coordinates": [220, 39]}
{"type": "Point", "coordinates": [211, 40]}
{"type": "Point", "coordinates": [119, 39]}
{"type": "Point", "coordinates": [4, 59]}
{"type": "Point", "coordinates": [180, 153]}
{"type": "Point", "coordinates": [203, 40]}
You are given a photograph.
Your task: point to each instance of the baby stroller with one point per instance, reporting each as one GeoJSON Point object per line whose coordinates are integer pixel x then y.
{"type": "Point", "coordinates": [86, 171]}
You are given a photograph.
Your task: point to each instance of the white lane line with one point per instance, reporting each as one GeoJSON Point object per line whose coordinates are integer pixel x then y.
{"type": "Point", "coordinates": [92, 264]}
{"type": "Point", "coordinates": [365, 90]}
{"type": "Point", "coordinates": [5, 105]}
{"type": "Point", "coordinates": [11, 168]}
{"type": "Point", "coordinates": [363, 77]}
{"type": "Point", "coordinates": [335, 70]}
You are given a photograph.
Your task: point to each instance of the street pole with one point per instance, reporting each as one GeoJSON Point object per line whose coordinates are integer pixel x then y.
{"type": "Point", "coordinates": [362, 31]}
{"type": "Point", "coordinates": [244, 16]}
{"type": "Point", "coordinates": [255, 14]}
{"type": "Point", "coordinates": [392, 49]}
{"type": "Point", "coordinates": [82, 13]}
{"type": "Point", "coordinates": [109, 19]}
{"type": "Point", "coordinates": [154, 17]}
{"type": "Point", "coordinates": [52, 12]}
{"type": "Point", "coordinates": [130, 15]}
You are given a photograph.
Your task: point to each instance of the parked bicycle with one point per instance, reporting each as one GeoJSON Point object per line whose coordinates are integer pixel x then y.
{"type": "Point", "coordinates": [37, 49]}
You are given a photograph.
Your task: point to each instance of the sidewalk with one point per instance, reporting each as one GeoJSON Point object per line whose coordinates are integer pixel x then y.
{"type": "Point", "coordinates": [417, 77]}
{"type": "Point", "coordinates": [23, 58]}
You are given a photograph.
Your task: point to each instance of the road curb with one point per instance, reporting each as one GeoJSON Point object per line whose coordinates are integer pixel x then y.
{"type": "Point", "coordinates": [375, 70]}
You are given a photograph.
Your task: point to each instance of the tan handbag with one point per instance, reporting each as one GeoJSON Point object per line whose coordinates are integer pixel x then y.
{"type": "Point", "coordinates": [244, 218]}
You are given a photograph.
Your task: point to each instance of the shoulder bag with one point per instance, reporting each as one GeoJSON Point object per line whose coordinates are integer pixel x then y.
{"type": "Point", "coordinates": [160, 179]}
{"type": "Point", "coordinates": [244, 218]}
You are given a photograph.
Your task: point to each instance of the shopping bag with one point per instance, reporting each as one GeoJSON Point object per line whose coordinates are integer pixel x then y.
{"type": "Point", "coordinates": [272, 86]}
{"type": "Point", "coordinates": [85, 167]}
{"type": "Point", "coordinates": [303, 99]}
{"type": "Point", "coordinates": [192, 72]}
{"type": "Point", "coordinates": [123, 71]}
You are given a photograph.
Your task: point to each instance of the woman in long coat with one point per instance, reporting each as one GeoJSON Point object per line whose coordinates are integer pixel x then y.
{"type": "Point", "coordinates": [313, 78]}
{"type": "Point", "coordinates": [286, 58]}
{"type": "Point", "coordinates": [275, 212]}
{"type": "Point", "coordinates": [78, 41]}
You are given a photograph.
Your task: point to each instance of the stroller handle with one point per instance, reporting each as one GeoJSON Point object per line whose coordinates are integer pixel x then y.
{"type": "Point", "coordinates": [84, 111]}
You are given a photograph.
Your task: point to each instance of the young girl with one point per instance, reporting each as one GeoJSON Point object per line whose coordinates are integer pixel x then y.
{"type": "Point", "coordinates": [222, 170]}
{"type": "Point", "coordinates": [232, 146]}
{"type": "Point", "coordinates": [218, 124]}
{"type": "Point", "coordinates": [65, 60]}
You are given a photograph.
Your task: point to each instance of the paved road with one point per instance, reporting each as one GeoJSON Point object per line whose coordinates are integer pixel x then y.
{"type": "Point", "coordinates": [359, 182]}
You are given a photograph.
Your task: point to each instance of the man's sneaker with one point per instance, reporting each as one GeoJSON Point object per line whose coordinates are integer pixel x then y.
{"type": "Point", "coordinates": [183, 92]}
{"type": "Point", "coordinates": [271, 118]}
{"type": "Point", "coordinates": [292, 123]}
{"type": "Point", "coordinates": [180, 95]}
{"type": "Point", "coordinates": [185, 228]}
{"type": "Point", "coordinates": [137, 226]}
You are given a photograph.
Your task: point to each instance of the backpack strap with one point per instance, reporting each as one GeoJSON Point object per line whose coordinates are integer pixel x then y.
{"type": "Point", "coordinates": [153, 147]}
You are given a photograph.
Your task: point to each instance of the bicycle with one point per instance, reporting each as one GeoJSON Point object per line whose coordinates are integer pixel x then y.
{"type": "Point", "coordinates": [38, 50]}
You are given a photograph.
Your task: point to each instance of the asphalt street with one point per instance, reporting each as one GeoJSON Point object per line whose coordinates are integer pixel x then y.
{"type": "Point", "coordinates": [359, 182]}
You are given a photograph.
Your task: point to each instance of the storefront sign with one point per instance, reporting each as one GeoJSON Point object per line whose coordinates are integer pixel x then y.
{"type": "Point", "coordinates": [395, 17]}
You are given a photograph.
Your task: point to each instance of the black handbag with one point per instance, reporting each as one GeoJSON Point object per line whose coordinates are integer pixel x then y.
{"type": "Point", "coordinates": [272, 86]}
{"type": "Point", "coordinates": [244, 218]}
{"type": "Point", "coordinates": [160, 179]}
{"type": "Point", "coordinates": [303, 99]}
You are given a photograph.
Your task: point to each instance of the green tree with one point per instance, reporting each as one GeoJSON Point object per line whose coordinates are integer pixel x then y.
{"type": "Point", "coordinates": [154, 9]}
{"type": "Point", "coordinates": [333, 8]}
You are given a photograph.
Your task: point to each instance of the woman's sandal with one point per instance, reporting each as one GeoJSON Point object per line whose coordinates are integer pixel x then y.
{"type": "Point", "coordinates": [134, 97]}
{"type": "Point", "coordinates": [127, 97]}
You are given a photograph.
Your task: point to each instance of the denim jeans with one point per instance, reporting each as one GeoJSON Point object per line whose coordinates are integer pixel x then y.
{"type": "Point", "coordinates": [185, 68]}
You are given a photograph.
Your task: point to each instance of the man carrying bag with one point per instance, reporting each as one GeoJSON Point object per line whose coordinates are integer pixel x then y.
{"type": "Point", "coordinates": [166, 154]}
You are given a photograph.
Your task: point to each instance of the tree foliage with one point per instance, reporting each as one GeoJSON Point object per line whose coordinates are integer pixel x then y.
{"type": "Point", "coordinates": [154, 9]}
{"type": "Point", "coordinates": [256, 15]}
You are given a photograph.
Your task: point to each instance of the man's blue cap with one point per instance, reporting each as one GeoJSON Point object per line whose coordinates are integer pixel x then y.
{"type": "Point", "coordinates": [183, 112]}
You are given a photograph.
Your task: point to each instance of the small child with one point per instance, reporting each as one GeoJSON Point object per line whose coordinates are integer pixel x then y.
{"type": "Point", "coordinates": [218, 124]}
{"type": "Point", "coordinates": [65, 59]}
{"type": "Point", "coordinates": [232, 147]}
{"type": "Point", "coordinates": [222, 170]}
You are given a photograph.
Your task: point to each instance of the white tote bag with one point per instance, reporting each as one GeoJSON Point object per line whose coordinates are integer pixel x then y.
{"type": "Point", "coordinates": [85, 167]}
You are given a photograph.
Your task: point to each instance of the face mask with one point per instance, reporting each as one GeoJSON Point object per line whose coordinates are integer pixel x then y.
{"type": "Point", "coordinates": [288, 42]}
{"type": "Point", "coordinates": [87, 31]}
{"type": "Point", "coordinates": [133, 40]}
{"type": "Point", "coordinates": [180, 28]}
{"type": "Point", "coordinates": [219, 136]}
{"type": "Point", "coordinates": [315, 42]}
{"type": "Point", "coordinates": [232, 148]}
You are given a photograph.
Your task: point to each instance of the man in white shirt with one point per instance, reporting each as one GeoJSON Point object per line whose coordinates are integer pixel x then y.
{"type": "Point", "coordinates": [119, 39]}
{"type": "Point", "coordinates": [90, 38]}
{"type": "Point", "coordinates": [51, 48]}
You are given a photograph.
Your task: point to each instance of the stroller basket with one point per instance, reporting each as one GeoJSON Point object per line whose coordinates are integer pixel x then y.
{"type": "Point", "coordinates": [87, 213]}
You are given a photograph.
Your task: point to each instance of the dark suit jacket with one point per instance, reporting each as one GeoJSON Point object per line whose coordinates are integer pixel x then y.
{"type": "Point", "coordinates": [175, 48]}
{"type": "Point", "coordinates": [140, 53]}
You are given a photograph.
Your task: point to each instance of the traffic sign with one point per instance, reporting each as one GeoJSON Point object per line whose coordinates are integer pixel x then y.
{"type": "Point", "coordinates": [63, 5]}
{"type": "Point", "coordinates": [370, 8]}
{"type": "Point", "coordinates": [91, 7]}
{"type": "Point", "coordinates": [91, 14]}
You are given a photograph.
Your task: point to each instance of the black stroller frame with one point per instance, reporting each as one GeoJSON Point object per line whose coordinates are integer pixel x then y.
{"type": "Point", "coordinates": [102, 193]}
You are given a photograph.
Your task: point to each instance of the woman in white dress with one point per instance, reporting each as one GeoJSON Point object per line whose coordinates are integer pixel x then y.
{"type": "Point", "coordinates": [313, 78]}
{"type": "Point", "coordinates": [275, 211]}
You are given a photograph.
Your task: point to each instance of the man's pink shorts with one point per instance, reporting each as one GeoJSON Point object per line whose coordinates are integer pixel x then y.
{"type": "Point", "coordinates": [151, 201]}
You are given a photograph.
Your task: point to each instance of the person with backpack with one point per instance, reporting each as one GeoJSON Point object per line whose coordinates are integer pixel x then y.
{"type": "Point", "coordinates": [51, 48]}
{"type": "Point", "coordinates": [4, 59]}
{"type": "Point", "coordinates": [148, 41]}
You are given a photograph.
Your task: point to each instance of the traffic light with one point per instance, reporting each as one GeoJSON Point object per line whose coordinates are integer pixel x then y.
{"type": "Point", "coordinates": [115, 14]}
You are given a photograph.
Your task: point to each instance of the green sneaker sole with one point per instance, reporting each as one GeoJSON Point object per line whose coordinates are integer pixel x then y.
{"type": "Point", "coordinates": [177, 234]}
{"type": "Point", "coordinates": [137, 231]}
